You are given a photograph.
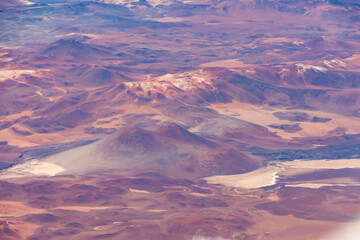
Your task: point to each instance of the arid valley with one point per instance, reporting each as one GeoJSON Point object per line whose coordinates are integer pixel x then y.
{"type": "Point", "coordinates": [180, 120]}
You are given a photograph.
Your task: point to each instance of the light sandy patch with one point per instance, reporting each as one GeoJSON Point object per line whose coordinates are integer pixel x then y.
{"type": "Point", "coordinates": [85, 208]}
{"type": "Point", "coordinates": [4, 46]}
{"type": "Point", "coordinates": [156, 210]}
{"type": "Point", "coordinates": [273, 197]}
{"type": "Point", "coordinates": [320, 185]}
{"type": "Point", "coordinates": [310, 129]}
{"type": "Point", "coordinates": [99, 228]}
{"type": "Point", "coordinates": [353, 62]}
{"type": "Point", "coordinates": [263, 116]}
{"type": "Point", "coordinates": [79, 158]}
{"type": "Point", "coordinates": [199, 194]}
{"type": "Point", "coordinates": [281, 40]}
{"type": "Point", "coordinates": [323, 164]}
{"type": "Point", "coordinates": [138, 191]}
{"type": "Point", "coordinates": [6, 59]}
{"type": "Point", "coordinates": [103, 227]}
{"type": "Point", "coordinates": [167, 19]}
{"type": "Point", "coordinates": [16, 209]}
{"type": "Point", "coordinates": [231, 63]}
{"type": "Point", "coordinates": [15, 116]}
{"type": "Point", "coordinates": [31, 168]}
{"type": "Point", "coordinates": [3, 58]}
{"type": "Point", "coordinates": [267, 176]}
{"type": "Point", "coordinates": [94, 208]}
{"type": "Point", "coordinates": [262, 177]}
{"type": "Point", "coordinates": [15, 139]}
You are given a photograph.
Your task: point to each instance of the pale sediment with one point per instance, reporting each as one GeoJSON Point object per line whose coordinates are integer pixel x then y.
{"type": "Point", "coordinates": [32, 168]}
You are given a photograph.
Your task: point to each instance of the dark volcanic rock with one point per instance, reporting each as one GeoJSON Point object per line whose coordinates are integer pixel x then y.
{"type": "Point", "coordinates": [71, 48]}
{"type": "Point", "coordinates": [21, 132]}
{"type": "Point", "coordinates": [299, 117]}
{"type": "Point", "coordinates": [8, 231]}
{"type": "Point", "coordinates": [287, 127]}
{"type": "Point", "coordinates": [175, 132]}
{"type": "Point", "coordinates": [41, 187]}
{"type": "Point", "coordinates": [44, 218]}
{"type": "Point", "coordinates": [73, 118]}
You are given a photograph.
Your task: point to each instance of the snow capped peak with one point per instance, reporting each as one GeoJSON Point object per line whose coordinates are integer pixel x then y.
{"type": "Point", "coordinates": [304, 67]}
{"type": "Point", "coordinates": [153, 3]}
{"type": "Point", "coordinates": [148, 85]}
{"type": "Point", "coordinates": [11, 74]}
{"type": "Point", "coordinates": [328, 64]}
{"type": "Point", "coordinates": [184, 81]}
{"type": "Point", "coordinates": [338, 62]}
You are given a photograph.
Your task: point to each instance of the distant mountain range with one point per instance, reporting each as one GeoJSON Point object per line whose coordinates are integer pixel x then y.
{"type": "Point", "coordinates": [186, 120]}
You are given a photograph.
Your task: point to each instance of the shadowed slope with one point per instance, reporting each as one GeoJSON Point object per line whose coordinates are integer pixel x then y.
{"type": "Point", "coordinates": [73, 49]}
{"type": "Point", "coordinates": [177, 133]}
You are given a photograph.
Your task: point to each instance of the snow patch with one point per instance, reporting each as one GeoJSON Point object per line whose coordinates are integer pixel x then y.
{"type": "Point", "coordinates": [26, 2]}
{"type": "Point", "coordinates": [340, 63]}
{"type": "Point", "coordinates": [304, 67]}
{"type": "Point", "coordinates": [147, 85]}
{"type": "Point", "coordinates": [11, 74]}
{"type": "Point", "coordinates": [153, 3]}
{"type": "Point", "coordinates": [185, 81]}
{"type": "Point", "coordinates": [328, 64]}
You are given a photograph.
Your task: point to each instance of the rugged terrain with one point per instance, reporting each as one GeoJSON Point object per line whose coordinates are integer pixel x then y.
{"type": "Point", "coordinates": [157, 119]}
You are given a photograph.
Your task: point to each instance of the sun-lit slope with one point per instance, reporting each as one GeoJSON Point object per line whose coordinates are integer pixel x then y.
{"type": "Point", "coordinates": [189, 97]}
{"type": "Point", "coordinates": [170, 147]}
{"type": "Point", "coordinates": [100, 63]}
